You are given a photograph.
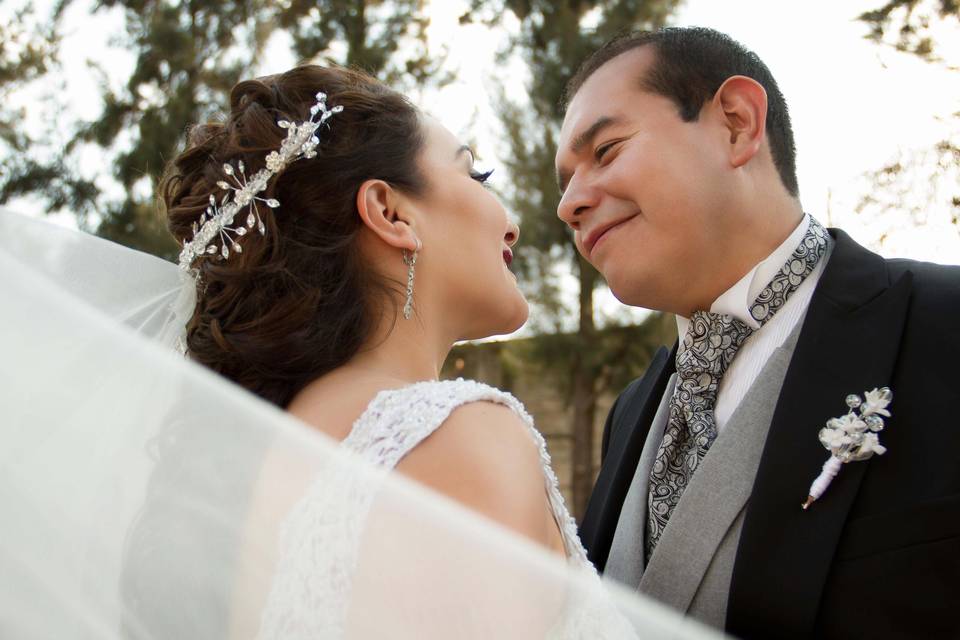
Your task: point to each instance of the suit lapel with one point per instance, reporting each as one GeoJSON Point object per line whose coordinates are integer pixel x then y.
{"type": "Point", "coordinates": [848, 344]}
{"type": "Point", "coordinates": [627, 430]}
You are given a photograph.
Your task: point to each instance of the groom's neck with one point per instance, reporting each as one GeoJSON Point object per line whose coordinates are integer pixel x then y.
{"type": "Point", "coordinates": [756, 228]}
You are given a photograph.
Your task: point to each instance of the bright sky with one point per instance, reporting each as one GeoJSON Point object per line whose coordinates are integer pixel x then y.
{"type": "Point", "coordinates": [854, 105]}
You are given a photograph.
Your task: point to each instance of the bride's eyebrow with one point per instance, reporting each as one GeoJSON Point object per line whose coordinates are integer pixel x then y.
{"type": "Point", "coordinates": [466, 148]}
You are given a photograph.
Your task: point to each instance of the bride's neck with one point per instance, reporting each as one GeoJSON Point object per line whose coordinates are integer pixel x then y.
{"type": "Point", "coordinates": [403, 351]}
{"type": "Point", "coordinates": [398, 353]}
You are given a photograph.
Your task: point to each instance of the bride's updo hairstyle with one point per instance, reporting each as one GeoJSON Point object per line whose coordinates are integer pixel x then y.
{"type": "Point", "coordinates": [298, 301]}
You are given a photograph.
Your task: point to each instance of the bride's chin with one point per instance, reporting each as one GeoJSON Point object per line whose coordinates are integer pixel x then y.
{"type": "Point", "coordinates": [523, 313]}
{"type": "Point", "coordinates": [519, 316]}
{"type": "Point", "coordinates": [508, 320]}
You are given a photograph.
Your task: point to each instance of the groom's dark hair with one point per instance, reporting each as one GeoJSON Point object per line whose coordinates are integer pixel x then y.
{"type": "Point", "coordinates": [690, 64]}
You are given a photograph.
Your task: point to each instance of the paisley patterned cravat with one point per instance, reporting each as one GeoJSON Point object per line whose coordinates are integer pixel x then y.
{"type": "Point", "coordinates": [709, 346]}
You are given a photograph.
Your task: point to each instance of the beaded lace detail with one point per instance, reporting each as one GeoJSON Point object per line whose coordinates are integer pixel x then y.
{"type": "Point", "coordinates": [398, 420]}
{"type": "Point", "coordinates": [319, 545]}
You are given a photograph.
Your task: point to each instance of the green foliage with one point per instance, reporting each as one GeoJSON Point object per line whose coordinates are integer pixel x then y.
{"type": "Point", "coordinates": [372, 31]}
{"type": "Point", "coordinates": [616, 356]}
{"type": "Point", "coordinates": [185, 63]}
{"type": "Point", "coordinates": [27, 52]}
{"type": "Point", "coordinates": [188, 55]}
{"type": "Point", "coordinates": [620, 355]}
{"type": "Point", "coordinates": [924, 179]}
{"type": "Point", "coordinates": [906, 24]}
{"type": "Point", "coordinates": [910, 188]}
{"type": "Point", "coordinates": [24, 55]}
{"type": "Point", "coordinates": [22, 174]}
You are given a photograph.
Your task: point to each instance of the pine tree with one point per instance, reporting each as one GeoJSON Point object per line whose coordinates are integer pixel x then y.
{"type": "Point", "coordinates": [188, 56]}
{"type": "Point", "coordinates": [184, 65]}
{"type": "Point", "coordinates": [919, 180]}
{"type": "Point", "coordinates": [905, 24]}
{"type": "Point", "coordinates": [372, 31]}
{"type": "Point", "coordinates": [28, 53]}
{"type": "Point", "coordinates": [554, 38]}
{"type": "Point", "coordinates": [24, 56]}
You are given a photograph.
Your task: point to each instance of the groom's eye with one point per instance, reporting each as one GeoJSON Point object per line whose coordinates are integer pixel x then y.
{"type": "Point", "coordinates": [602, 150]}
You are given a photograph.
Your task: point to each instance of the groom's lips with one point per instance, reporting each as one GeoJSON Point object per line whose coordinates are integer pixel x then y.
{"type": "Point", "coordinates": [591, 239]}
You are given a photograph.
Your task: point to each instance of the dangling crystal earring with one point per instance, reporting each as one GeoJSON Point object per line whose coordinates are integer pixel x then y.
{"type": "Point", "coordinates": [410, 259]}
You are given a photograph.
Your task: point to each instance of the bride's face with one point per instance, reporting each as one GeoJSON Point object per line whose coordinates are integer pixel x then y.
{"type": "Point", "coordinates": [467, 239]}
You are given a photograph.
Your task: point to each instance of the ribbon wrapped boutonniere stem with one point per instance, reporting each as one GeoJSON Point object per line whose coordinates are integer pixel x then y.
{"type": "Point", "coordinates": [852, 437]}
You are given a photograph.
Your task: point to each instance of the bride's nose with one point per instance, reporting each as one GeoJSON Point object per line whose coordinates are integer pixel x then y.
{"type": "Point", "coordinates": [512, 234]}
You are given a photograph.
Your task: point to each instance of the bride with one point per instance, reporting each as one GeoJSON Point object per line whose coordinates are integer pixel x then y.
{"type": "Point", "coordinates": [312, 315]}
{"type": "Point", "coordinates": [336, 243]}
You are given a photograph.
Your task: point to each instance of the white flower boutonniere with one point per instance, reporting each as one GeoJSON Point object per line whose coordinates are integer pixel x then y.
{"type": "Point", "coordinates": [852, 437]}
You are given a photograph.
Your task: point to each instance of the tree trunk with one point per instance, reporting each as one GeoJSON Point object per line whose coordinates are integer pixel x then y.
{"type": "Point", "coordinates": [355, 27]}
{"type": "Point", "coordinates": [584, 394]}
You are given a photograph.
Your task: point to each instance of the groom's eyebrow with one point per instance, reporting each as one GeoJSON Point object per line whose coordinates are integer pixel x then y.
{"type": "Point", "coordinates": [584, 139]}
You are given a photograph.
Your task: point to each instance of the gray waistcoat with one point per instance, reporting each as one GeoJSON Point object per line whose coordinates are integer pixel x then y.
{"type": "Point", "coordinates": [693, 562]}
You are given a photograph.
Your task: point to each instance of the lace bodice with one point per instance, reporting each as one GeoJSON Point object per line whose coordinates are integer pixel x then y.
{"type": "Point", "coordinates": [398, 420]}
{"type": "Point", "coordinates": [319, 545]}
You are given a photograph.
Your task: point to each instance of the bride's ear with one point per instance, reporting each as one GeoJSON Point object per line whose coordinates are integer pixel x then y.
{"type": "Point", "coordinates": [379, 207]}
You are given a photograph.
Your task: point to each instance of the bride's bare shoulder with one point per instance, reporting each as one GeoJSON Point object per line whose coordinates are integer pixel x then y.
{"type": "Point", "coordinates": [484, 456]}
{"type": "Point", "coordinates": [333, 403]}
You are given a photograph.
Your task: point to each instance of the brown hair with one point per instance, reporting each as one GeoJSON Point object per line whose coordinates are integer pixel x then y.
{"type": "Point", "coordinates": [299, 301]}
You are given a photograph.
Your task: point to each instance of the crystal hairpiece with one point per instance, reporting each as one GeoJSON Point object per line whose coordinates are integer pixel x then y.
{"type": "Point", "coordinates": [215, 223]}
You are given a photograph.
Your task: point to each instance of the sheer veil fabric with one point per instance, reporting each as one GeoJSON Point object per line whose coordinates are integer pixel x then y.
{"type": "Point", "coordinates": [143, 496]}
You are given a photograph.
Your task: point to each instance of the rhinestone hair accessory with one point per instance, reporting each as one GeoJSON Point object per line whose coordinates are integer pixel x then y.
{"type": "Point", "coordinates": [216, 224]}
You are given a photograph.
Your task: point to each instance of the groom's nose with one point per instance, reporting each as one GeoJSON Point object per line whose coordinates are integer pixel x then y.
{"type": "Point", "coordinates": [578, 199]}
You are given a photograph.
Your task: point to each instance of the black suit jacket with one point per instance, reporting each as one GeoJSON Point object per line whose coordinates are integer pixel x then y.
{"type": "Point", "coordinates": [878, 555]}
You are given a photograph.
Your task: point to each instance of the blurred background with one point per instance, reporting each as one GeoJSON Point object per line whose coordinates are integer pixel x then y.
{"type": "Point", "coordinates": [95, 98]}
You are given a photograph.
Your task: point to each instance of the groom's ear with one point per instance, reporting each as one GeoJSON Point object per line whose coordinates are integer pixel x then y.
{"type": "Point", "coordinates": [379, 206]}
{"type": "Point", "coordinates": [741, 106]}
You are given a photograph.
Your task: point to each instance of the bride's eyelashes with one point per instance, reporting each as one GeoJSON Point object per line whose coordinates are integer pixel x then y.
{"type": "Point", "coordinates": [480, 177]}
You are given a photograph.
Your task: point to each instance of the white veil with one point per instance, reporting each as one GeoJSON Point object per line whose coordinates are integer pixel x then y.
{"type": "Point", "coordinates": [142, 496]}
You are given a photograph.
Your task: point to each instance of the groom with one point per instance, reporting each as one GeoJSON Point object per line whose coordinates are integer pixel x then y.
{"type": "Point", "coordinates": [676, 162]}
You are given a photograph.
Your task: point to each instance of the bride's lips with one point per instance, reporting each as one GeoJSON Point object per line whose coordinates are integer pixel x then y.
{"type": "Point", "coordinates": [594, 236]}
{"type": "Point", "coordinates": [508, 256]}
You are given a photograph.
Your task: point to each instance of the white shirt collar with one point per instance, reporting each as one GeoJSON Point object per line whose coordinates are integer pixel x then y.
{"type": "Point", "coordinates": [736, 300]}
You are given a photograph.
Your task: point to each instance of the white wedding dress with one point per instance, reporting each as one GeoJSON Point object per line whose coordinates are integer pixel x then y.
{"type": "Point", "coordinates": [321, 540]}
{"type": "Point", "coordinates": [145, 497]}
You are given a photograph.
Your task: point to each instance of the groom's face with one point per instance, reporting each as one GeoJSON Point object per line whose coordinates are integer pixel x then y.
{"type": "Point", "coordinates": [639, 185]}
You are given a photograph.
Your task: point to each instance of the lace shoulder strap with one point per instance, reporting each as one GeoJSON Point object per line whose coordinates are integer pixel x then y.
{"type": "Point", "coordinates": [397, 420]}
